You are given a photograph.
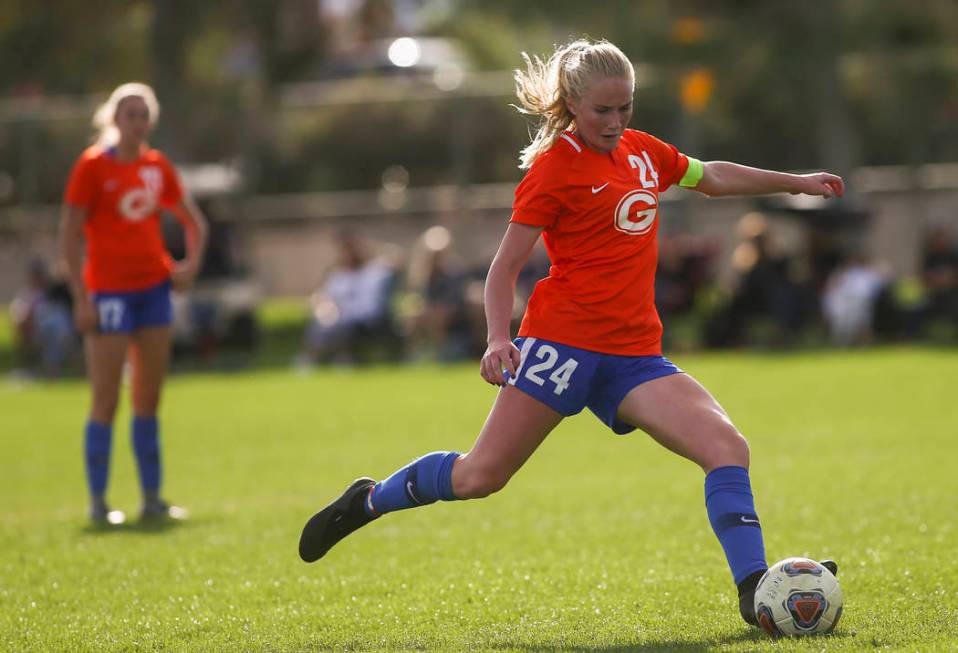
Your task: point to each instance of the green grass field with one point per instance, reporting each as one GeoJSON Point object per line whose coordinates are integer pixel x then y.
{"type": "Point", "coordinates": [601, 543]}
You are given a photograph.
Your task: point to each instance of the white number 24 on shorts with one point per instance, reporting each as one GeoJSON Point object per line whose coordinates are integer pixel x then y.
{"type": "Point", "coordinates": [548, 356]}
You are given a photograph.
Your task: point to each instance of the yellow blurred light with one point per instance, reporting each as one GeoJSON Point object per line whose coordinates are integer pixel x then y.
{"type": "Point", "coordinates": [688, 30]}
{"type": "Point", "coordinates": [697, 86]}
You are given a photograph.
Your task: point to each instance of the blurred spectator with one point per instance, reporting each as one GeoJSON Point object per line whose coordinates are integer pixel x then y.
{"type": "Point", "coordinates": [352, 312]}
{"type": "Point", "coordinates": [684, 269]}
{"type": "Point", "coordinates": [474, 299]}
{"type": "Point", "coordinates": [42, 318]}
{"type": "Point", "coordinates": [848, 300]}
{"type": "Point", "coordinates": [535, 270]}
{"type": "Point", "coordinates": [767, 290]}
{"type": "Point", "coordinates": [220, 310]}
{"type": "Point", "coordinates": [437, 325]}
{"type": "Point", "coordinates": [940, 276]}
{"type": "Point", "coordinates": [826, 247]}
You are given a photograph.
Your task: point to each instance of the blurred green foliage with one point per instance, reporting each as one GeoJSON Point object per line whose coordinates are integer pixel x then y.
{"type": "Point", "coordinates": [797, 85]}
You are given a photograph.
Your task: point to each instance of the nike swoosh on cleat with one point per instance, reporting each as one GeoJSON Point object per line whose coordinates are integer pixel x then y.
{"type": "Point", "coordinates": [596, 190]}
{"type": "Point", "coordinates": [745, 520]}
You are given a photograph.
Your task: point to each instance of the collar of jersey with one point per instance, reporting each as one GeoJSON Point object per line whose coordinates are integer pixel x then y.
{"type": "Point", "coordinates": [613, 156]}
{"type": "Point", "coordinates": [586, 149]}
{"type": "Point", "coordinates": [110, 153]}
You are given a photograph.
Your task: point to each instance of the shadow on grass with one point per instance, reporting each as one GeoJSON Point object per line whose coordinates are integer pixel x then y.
{"type": "Point", "coordinates": [751, 637]}
{"type": "Point", "coordinates": [153, 526]}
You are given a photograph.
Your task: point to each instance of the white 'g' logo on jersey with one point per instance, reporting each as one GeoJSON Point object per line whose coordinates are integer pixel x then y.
{"type": "Point", "coordinates": [635, 213]}
{"type": "Point", "coordinates": [139, 203]}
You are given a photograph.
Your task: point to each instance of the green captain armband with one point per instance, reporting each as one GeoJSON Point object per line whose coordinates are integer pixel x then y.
{"type": "Point", "coordinates": [693, 175]}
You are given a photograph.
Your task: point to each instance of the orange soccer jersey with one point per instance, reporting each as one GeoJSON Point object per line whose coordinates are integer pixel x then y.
{"type": "Point", "coordinates": [125, 247]}
{"type": "Point", "coordinates": [600, 214]}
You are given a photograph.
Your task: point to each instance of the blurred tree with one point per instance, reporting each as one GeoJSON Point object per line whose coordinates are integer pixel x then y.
{"type": "Point", "coordinates": [795, 85]}
{"type": "Point", "coordinates": [61, 46]}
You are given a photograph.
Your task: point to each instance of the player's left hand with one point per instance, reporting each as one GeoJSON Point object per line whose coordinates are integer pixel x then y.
{"type": "Point", "coordinates": [822, 184]}
{"type": "Point", "coordinates": [183, 275]}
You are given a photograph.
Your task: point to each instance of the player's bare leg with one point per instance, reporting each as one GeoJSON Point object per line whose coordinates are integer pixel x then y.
{"type": "Point", "coordinates": [149, 358]}
{"type": "Point", "coordinates": [105, 355]}
{"type": "Point", "coordinates": [681, 415]}
{"type": "Point", "coordinates": [515, 427]}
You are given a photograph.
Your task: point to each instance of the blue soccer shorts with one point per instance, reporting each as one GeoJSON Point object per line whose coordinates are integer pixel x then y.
{"type": "Point", "coordinates": [126, 312]}
{"type": "Point", "coordinates": [568, 379]}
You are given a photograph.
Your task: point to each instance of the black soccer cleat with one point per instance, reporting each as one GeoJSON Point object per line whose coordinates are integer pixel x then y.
{"type": "Point", "coordinates": [102, 516]}
{"type": "Point", "coordinates": [746, 607]}
{"type": "Point", "coordinates": [158, 511]}
{"type": "Point", "coordinates": [335, 521]}
{"type": "Point", "coordinates": [746, 597]}
{"type": "Point", "coordinates": [830, 565]}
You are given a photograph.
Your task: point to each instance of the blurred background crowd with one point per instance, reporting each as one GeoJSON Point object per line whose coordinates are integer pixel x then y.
{"type": "Point", "coordinates": [356, 159]}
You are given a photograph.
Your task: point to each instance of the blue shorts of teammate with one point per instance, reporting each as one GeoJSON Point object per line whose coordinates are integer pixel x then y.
{"type": "Point", "coordinates": [126, 312]}
{"type": "Point", "coordinates": [568, 379]}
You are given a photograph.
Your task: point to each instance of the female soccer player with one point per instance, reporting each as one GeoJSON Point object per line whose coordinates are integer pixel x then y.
{"type": "Point", "coordinates": [122, 291]}
{"type": "Point", "coordinates": [590, 336]}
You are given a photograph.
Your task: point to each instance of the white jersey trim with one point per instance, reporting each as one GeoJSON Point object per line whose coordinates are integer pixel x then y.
{"type": "Point", "coordinates": [577, 147]}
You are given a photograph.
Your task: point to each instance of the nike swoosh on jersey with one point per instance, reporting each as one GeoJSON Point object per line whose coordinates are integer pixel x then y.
{"type": "Point", "coordinates": [596, 190]}
{"type": "Point", "coordinates": [746, 520]}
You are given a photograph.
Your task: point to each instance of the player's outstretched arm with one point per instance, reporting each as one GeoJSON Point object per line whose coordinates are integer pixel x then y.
{"type": "Point", "coordinates": [722, 178]}
{"type": "Point", "coordinates": [513, 252]}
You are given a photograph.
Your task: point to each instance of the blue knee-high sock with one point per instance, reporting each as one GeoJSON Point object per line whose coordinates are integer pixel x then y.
{"type": "Point", "coordinates": [97, 439]}
{"type": "Point", "coordinates": [419, 483]}
{"type": "Point", "coordinates": [731, 509]}
{"type": "Point", "coordinates": [146, 447]}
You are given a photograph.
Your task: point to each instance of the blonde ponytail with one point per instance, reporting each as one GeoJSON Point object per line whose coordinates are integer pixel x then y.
{"type": "Point", "coordinates": [544, 87]}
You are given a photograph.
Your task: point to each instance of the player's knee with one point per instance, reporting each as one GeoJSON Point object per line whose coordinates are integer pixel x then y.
{"type": "Point", "coordinates": [730, 448]}
{"type": "Point", "coordinates": [104, 408]}
{"type": "Point", "coordinates": [146, 405]}
{"type": "Point", "coordinates": [739, 449]}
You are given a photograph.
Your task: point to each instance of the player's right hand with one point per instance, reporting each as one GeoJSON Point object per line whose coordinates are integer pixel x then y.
{"type": "Point", "coordinates": [500, 356]}
{"type": "Point", "coordinates": [84, 315]}
{"type": "Point", "coordinates": [183, 275]}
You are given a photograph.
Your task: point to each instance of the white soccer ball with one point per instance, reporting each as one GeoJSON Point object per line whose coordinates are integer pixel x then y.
{"type": "Point", "coordinates": [798, 596]}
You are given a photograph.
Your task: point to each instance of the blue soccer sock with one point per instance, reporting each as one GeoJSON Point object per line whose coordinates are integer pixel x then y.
{"type": "Point", "coordinates": [421, 482]}
{"type": "Point", "coordinates": [731, 509]}
{"type": "Point", "coordinates": [97, 439]}
{"type": "Point", "coordinates": [146, 448]}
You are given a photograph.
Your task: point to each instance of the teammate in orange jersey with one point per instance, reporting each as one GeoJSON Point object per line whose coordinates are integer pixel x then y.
{"type": "Point", "coordinates": [122, 290]}
{"type": "Point", "coordinates": [590, 336]}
